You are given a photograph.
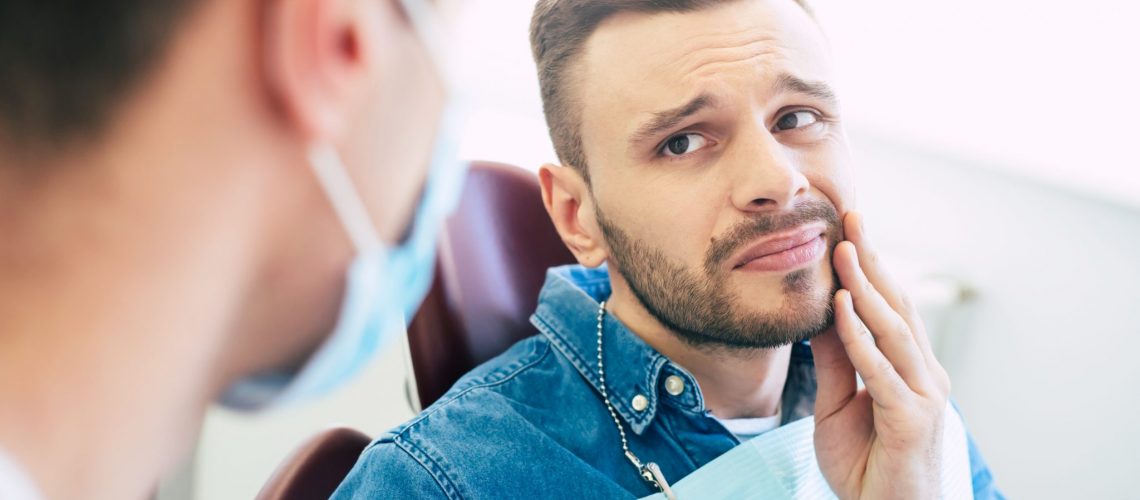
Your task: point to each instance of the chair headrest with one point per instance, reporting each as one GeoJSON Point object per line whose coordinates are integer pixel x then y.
{"type": "Point", "coordinates": [492, 263]}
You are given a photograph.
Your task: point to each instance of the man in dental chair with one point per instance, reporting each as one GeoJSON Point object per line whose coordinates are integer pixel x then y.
{"type": "Point", "coordinates": [707, 192]}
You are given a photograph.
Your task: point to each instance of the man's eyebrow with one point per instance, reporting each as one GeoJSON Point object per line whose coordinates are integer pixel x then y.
{"type": "Point", "coordinates": [819, 90]}
{"type": "Point", "coordinates": [664, 120]}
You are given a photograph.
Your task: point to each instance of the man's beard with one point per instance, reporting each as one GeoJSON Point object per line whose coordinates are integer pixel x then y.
{"type": "Point", "coordinates": [697, 304]}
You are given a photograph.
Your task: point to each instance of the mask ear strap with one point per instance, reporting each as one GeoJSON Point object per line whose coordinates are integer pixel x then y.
{"type": "Point", "coordinates": [345, 199]}
{"type": "Point", "coordinates": [426, 23]}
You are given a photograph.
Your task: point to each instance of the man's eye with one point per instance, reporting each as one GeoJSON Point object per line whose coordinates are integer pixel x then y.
{"type": "Point", "coordinates": [683, 144]}
{"type": "Point", "coordinates": [796, 119]}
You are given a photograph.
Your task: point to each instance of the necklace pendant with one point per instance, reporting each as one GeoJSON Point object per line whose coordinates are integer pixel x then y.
{"type": "Point", "coordinates": [652, 473]}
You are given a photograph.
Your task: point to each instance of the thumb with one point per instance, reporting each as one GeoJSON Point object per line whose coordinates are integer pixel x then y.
{"type": "Point", "coordinates": [835, 376]}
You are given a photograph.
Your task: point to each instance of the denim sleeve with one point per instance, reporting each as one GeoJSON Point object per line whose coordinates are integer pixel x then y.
{"type": "Point", "coordinates": [984, 487]}
{"type": "Point", "coordinates": [982, 479]}
{"type": "Point", "coordinates": [387, 470]}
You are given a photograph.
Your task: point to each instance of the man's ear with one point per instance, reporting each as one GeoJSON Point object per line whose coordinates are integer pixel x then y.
{"type": "Point", "coordinates": [567, 199]}
{"type": "Point", "coordinates": [315, 55]}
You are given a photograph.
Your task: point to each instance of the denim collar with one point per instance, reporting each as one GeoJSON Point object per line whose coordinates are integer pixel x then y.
{"type": "Point", "coordinates": [567, 315]}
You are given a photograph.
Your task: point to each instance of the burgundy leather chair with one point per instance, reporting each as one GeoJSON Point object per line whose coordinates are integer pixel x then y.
{"type": "Point", "coordinates": [492, 263]}
{"type": "Point", "coordinates": [317, 467]}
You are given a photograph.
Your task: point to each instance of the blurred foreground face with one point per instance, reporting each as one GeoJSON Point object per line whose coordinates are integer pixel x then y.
{"type": "Point", "coordinates": [164, 232]}
{"type": "Point", "coordinates": [718, 167]}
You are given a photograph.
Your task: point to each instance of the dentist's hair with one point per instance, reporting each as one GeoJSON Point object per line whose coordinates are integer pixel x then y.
{"type": "Point", "coordinates": [559, 30]}
{"type": "Point", "coordinates": [66, 64]}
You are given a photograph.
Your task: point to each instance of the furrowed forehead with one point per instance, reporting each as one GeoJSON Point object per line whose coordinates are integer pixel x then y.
{"type": "Point", "coordinates": [636, 64]}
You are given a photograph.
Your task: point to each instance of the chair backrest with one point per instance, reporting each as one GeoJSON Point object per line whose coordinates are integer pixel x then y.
{"type": "Point", "coordinates": [492, 263]}
{"type": "Point", "coordinates": [317, 467]}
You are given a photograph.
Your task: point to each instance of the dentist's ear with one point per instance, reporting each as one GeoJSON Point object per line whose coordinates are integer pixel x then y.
{"type": "Point", "coordinates": [567, 199]}
{"type": "Point", "coordinates": [315, 57]}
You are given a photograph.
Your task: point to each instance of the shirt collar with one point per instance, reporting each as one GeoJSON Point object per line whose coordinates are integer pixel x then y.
{"type": "Point", "coordinates": [567, 315]}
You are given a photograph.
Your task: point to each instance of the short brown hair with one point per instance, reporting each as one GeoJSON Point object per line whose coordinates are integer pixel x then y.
{"type": "Point", "coordinates": [65, 65]}
{"type": "Point", "coordinates": [559, 30]}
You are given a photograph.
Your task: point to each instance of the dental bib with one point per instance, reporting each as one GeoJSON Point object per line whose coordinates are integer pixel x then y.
{"type": "Point", "coordinates": [781, 464]}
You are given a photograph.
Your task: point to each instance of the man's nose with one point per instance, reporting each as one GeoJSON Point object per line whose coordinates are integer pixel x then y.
{"type": "Point", "coordinates": [766, 176]}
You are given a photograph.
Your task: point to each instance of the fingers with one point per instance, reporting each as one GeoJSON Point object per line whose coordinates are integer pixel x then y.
{"type": "Point", "coordinates": [877, 274]}
{"type": "Point", "coordinates": [835, 377]}
{"type": "Point", "coordinates": [892, 333]}
{"type": "Point", "coordinates": [879, 376]}
{"type": "Point", "coordinates": [869, 259]}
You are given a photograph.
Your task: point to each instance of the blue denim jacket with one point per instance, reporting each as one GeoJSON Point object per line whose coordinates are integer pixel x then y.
{"type": "Point", "coordinates": [531, 422]}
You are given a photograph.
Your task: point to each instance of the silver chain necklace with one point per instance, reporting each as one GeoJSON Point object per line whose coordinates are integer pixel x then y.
{"type": "Point", "coordinates": [650, 472]}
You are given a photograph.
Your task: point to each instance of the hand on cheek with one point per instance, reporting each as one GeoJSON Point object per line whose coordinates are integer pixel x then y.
{"type": "Point", "coordinates": [890, 431]}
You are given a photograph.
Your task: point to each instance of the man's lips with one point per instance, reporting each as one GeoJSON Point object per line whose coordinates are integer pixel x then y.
{"type": "Point", "coordinates": [785, 250]}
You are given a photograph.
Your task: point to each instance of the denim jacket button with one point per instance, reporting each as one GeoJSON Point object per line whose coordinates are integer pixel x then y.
{"type": "Point", "coordinates": [640, 403]}
{"type": "Point", "coordinates": [674, 385]}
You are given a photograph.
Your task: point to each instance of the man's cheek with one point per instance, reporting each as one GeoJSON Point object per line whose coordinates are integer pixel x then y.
{"type": "Point", "coordinates": [676, 230]}
{"type": "Point", "coordinates": [829, 171]}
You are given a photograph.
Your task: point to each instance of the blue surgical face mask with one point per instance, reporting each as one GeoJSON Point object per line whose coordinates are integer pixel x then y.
{"type": "Point", "coordinates": [384, 284]}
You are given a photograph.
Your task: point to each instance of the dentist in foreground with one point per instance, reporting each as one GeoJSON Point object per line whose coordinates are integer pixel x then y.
{"type": "Point", "coordinates": [200, 201]}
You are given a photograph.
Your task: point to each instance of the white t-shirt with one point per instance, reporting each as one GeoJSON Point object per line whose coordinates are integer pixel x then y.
{"type": "Point", "coordinates": [15, 484]}
{"type": "Point", "coordinates": [748, 428]}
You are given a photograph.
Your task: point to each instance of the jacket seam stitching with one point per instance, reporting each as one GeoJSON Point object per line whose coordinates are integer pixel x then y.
{"type": "Point", "coordinates": [430, 465]}
{"type": "Point", "coordinates": [509, 374]}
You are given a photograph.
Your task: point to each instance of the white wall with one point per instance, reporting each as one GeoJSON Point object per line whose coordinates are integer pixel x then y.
{"type": "Point", "coordinates": [1045, 89]}
{"type": "Point", "coordinates": [1044, 362]}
